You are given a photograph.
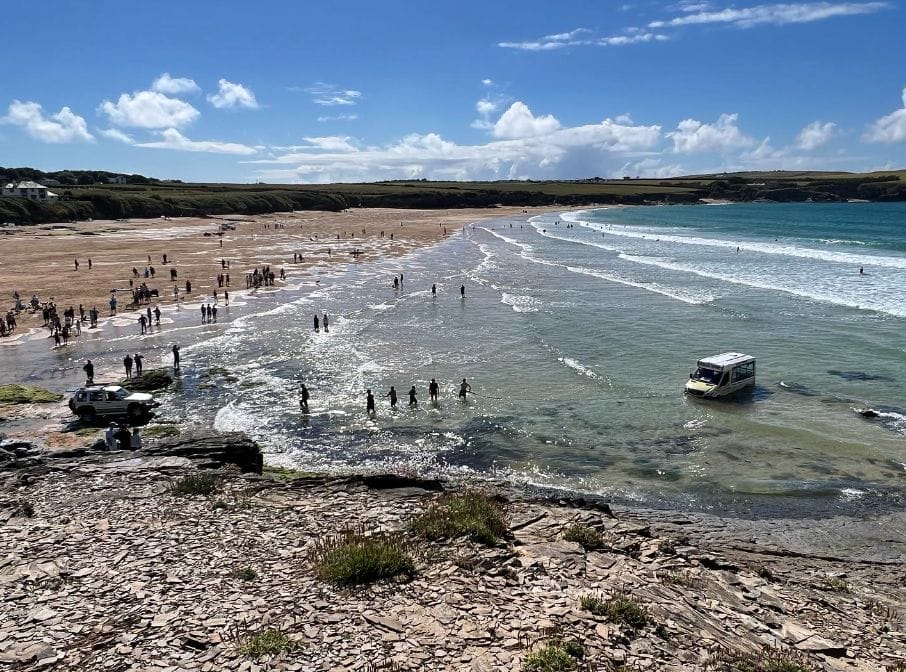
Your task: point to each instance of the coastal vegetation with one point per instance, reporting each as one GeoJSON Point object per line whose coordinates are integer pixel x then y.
{"type": "Point", "coordinates": [769, 659]}
{"type": "Point", "coordinates": [150, 381]}
{"type": "Point", "coordinates": [470, 514]}
{"type": "Point", "coordinates": [202, 483]}
{"type": "Point", "coordinates": [587, 537]}
{"type": "Point", "coordinates": [557, 655]}
{"type": "Point", "coordinates": [13, 393]}
{"type": "Point", "coordinates": [618, 609]}
{"type": "Point", "coordinates": [355, 558]}
{"type": "Point", "coordinates": [267, 642]}
{"type": "Point", "coordinates": [81, 197]}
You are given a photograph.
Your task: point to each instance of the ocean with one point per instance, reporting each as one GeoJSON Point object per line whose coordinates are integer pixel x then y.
{"type": "Point", "coordinates": [577, 333]}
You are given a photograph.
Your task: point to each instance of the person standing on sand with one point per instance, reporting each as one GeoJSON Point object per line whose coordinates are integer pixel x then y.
{"type": "Point", "coordinates": [433, 389]}
{"type": "Point", "coordinates": [89, 263]}
{"type": "Point", "coordinates": [369, 402]}
{"type": "Point", "coordinates": [412, 400]}
{"type": "Point", "coordinates": [303, 400]}
{"type": "Point", "coordinates": [127, 363]}
{"type": "Point", "coordinates": [175, 356]}
{"type": "Point", "coordinates": [76, 264]}
{"type": "Point", "coordinates": [139, 359]}
{"type": "Point", "coordinates": [226, 297]}
{"type": "Point", "coordinates": [89, 372]}
{"type": "Point", "coordinates": [113, 304]}
{"type": "Point", "coordinates": [204, 314]}
{"type": "Point", "coordinates": [392, 395]}
{"type": "Point", "coordinates": [157, 315]}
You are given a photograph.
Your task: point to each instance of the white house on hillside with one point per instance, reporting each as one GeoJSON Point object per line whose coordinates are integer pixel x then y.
{"type": "Point", "coordinates": [119, 179]}
{"type": "Point", "coordinates": [27, 189]}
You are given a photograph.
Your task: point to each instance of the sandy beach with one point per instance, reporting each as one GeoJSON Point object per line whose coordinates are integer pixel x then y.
{"type": "Point", "coordinates": [40, 260]}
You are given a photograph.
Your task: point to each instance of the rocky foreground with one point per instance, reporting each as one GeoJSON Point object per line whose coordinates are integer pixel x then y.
{"type": "Point", "coordinates": [103, 568]}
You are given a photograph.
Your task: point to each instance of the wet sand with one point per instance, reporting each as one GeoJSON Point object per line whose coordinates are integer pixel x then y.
{"type": "Point", "coordinates": [41, 259]}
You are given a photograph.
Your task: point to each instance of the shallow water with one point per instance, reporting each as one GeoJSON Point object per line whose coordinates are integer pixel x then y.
{"type": "Point", "coordinates": [577, 342]}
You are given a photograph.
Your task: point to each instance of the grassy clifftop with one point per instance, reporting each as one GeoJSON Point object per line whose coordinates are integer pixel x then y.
{"type": "Point", "coordinates": [178, 199]}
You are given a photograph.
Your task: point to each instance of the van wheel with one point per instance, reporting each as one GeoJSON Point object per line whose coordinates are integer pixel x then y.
{"type": "Point", "coordinates": [88, 415]}
{"type": "Point", "coordinates": [135, 412]}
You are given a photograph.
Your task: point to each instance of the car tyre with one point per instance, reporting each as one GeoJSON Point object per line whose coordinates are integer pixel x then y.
{"type": "Point", "coordinates": [135, 412]}
{"type": "Point", "coordinates": [87, 414]}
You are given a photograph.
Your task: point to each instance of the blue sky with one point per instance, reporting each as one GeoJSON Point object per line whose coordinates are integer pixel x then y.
{"type": "Point", "coordinates": [359, 90]}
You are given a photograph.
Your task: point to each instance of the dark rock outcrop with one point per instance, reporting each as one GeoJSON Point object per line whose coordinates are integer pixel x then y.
{"type": "Point", "coordinates": [211, 451]}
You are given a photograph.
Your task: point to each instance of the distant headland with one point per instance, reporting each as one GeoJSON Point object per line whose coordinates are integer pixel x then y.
{"type": "Point", "coordinates": [30, 196]}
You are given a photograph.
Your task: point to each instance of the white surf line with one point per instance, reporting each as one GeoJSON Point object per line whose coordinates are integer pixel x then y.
{"type": "Point", "coordinates": [760, 285]}
{"type": "Point", "coordinates": [847, 258]}
{"type": "Point", "coordinates": [650, 287]}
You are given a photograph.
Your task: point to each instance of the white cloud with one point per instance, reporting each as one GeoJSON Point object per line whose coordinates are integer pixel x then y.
{"type": "Point", "coordinates": [64, 126]}
{"type": "Point", "coordinates": [815, 135]}
{"type": "Point", "coordinates": [487, 82]}
{"type": "Point", "coordinates": [890, 128]}
{"type": "Point", "coordinates": [173, 139]}
{"type": "Point", "coordinates": [338, 117]}
{"type": "Point", "coordinates": [650, 168]}
{"type": "Point", "coordinates": [149, 109]}
{"type": "Point", "coordinates": [550, 151]}
{"type": "Point", "coordinates": [330, 95]}
{"type": "Point", "coordinates": [331, 143]}
{"type": "Point", "coordinates": [777, 14]}
{"type": "Point", "coordinates": [693, 136]}
{"type": "Point", "coordinates": [519, 122]}
{"type": "Point", "coordinates": [114, 134]}
{"type": "Point", "coordinates": [581, 37]}
{"type": "Point", "coordinates": [174, 85]}
{"type": "Point", "coordinates": [486, 107]}
{"type": "Point", "coordinates": [232, 95]}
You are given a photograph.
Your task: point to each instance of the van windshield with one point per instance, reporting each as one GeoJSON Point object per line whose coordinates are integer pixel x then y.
{"type": "Point", "coordinates": [707, 375]}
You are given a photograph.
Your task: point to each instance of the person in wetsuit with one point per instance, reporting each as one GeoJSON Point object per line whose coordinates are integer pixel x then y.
{"type": "Point", "coordinates": [412, 400]}
{"type": "Point", "coordinates": [303, 401]}
{"type": "Point", "coordinates": [433, 389]}
{"type": "Point", "coordinates": [392, 395]}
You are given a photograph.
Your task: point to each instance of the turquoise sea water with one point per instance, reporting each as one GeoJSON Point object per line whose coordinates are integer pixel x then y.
{"type": "Point", "coordinates": [577, 333]}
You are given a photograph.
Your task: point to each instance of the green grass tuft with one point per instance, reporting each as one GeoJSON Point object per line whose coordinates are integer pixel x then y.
{"type": "Point", "coordinates": [149, 381]}
{"type": "Point", "coordinates": [201, 483]}
{"type": "Point", "coordinates": [587, 537]}
{"type": "Point", "coordinates": [836, 584]}
{"type": "Point", "coordinates": [355, 558]}
{"type": "Point", "coordinates": [769, 659]}
{"type": "Point", "coordinates": [555, 656]}
{"type": "Point", "coordinates": [471, 513]}
{"type": "Point", "coordinates": [267, 642]}
{"type": "Point", "coordinates": [618, 609]}
{"type": "Point", "coordinates": [26, 394]}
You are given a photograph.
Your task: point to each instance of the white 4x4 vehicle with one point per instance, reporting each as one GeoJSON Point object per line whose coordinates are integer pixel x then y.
{"type": "Point", "coordinates": [110, 400]}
